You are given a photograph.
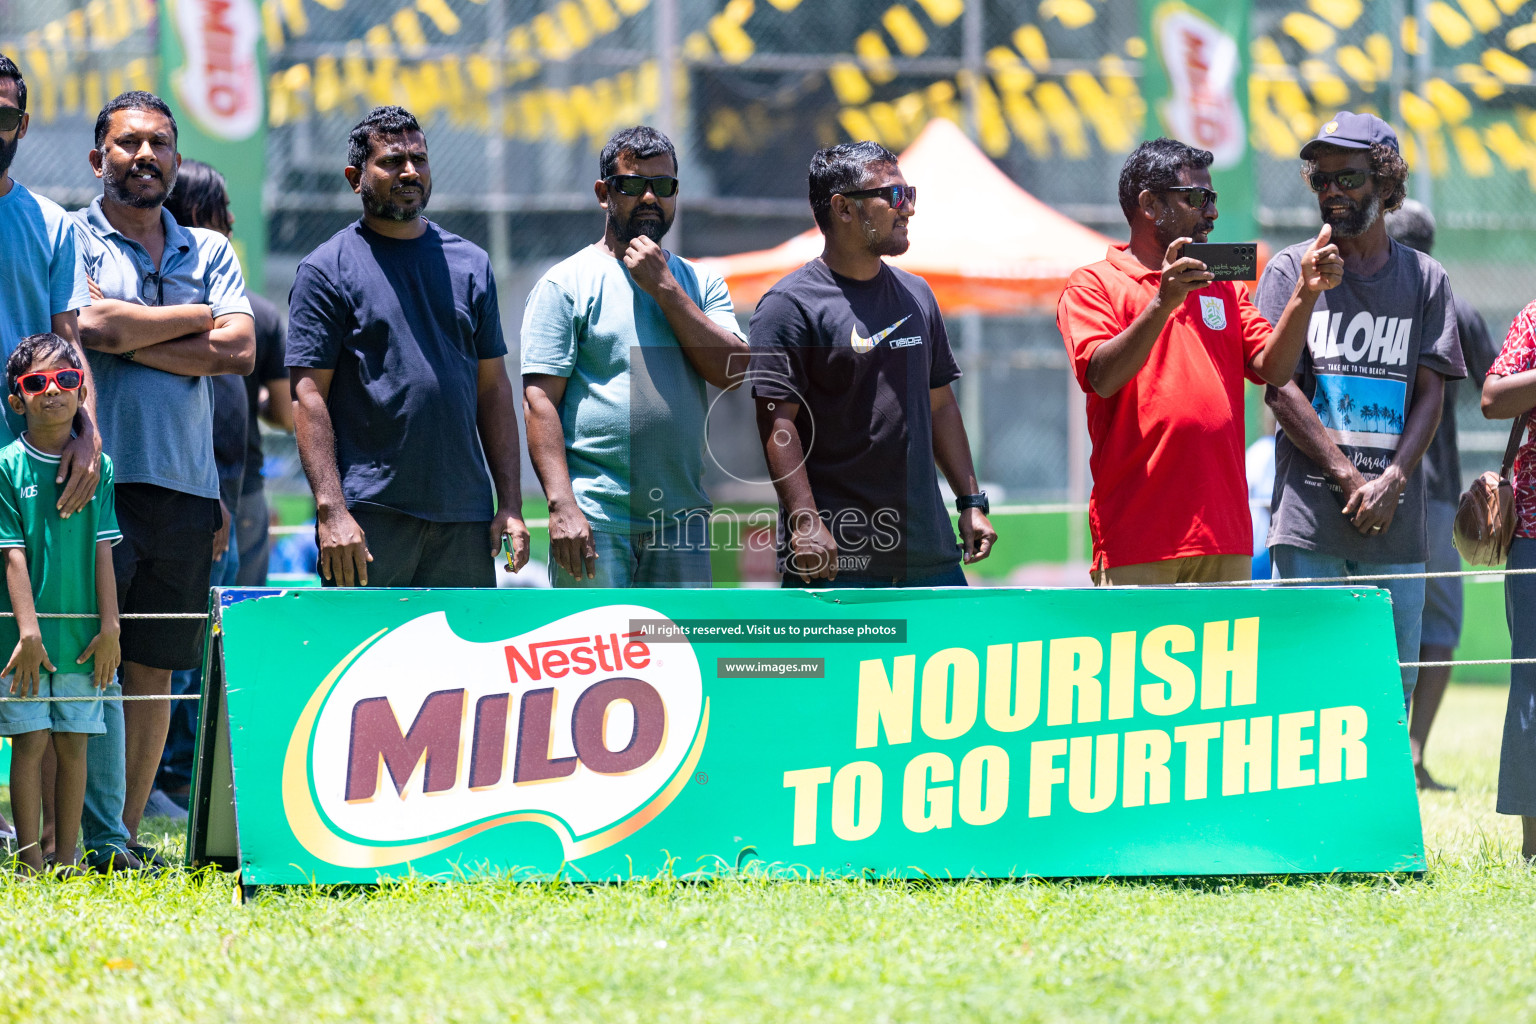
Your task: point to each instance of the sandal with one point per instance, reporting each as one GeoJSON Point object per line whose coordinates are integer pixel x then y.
{"type": "Point", "coordinates": [113, 863]}
{"type": "Point", "coordinates": [149, 858]}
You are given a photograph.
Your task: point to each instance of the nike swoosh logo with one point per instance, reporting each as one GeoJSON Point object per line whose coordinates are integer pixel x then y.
{"type": "Point", "coordinates": [867, 344]}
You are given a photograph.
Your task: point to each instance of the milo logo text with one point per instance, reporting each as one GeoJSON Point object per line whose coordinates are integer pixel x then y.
{"type": "Point", "coordinates": [1202, 65]}
{"type": "Point", "coordinates": [574, 724]}
{"type": "Point", "coordinates": [220, 82]}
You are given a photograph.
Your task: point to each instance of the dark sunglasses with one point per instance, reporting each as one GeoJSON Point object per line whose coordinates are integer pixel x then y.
{"type": "Point", "coordinates": [10, 118]}
{"type": "Point", "coordinates": [36, 383]}
{"type": "Point", "coordinates": [895, 195]}
{"type": "Point", "coordinates": [1197, 196]}
{"type": "Point", "coordinates": [1346, 180]}
{"type": "Point", "coordinates": [663, 186]}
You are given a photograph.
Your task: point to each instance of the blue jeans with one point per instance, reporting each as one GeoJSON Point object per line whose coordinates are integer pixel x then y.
{"type": "Point", "coordinates": [106, 785]}
{"type": "Point", "coordinates": [1407, 595]}
{"type": "Point", "coordinates": [643, 560]}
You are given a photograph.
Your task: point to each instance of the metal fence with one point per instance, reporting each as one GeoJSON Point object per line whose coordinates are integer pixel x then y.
{"type": "Point", "coordinates": [518, 95]}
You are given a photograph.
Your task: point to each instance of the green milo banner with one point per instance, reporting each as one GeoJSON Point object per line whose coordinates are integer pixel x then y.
{"type": "Point", "coordinates": [211, 73]}
{"type": "Point", "coordinates": [990, 732]}
{"type": "Point", "coordinates": [1196, 86]}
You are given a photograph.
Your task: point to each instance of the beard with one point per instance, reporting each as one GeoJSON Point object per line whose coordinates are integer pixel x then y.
{"type": "Point", "coordinates": [117, 190]}
{"type": "Point", "coordinates": [1354, 220]}
{"type": "Point", "coordinates": [890, 245]}
{"type": "Point", "coordinates": [7, 154]}
{"type": "Point", "coordinates": [632, 227]}
{"type": "Point", "coordinates": [384, 208]}
{"type": "Point", "coordinates": [1165, 231]}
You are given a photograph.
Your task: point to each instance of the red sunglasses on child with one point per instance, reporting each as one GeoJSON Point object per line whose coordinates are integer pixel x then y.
{"type": "Point", "coordinates": [36, 383]}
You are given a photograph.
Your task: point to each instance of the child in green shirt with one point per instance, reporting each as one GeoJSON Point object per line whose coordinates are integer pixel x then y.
{"type": "Point", "coordinates": [52, 564]}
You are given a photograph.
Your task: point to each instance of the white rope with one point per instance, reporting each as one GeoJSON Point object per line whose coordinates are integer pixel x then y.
{"type": "Point", "coordinates": [726, 513]}
{"type": "Point", "coordinates": [1306, 580]}
{"type": "Point", "coordinates": [1478, 661]}
{"type": "Point", "coordinates": [1314, 580]}
{"type": "Point", "coordinates": [72, 700]}
{"type": "Point", "coordinates": [97, 615]}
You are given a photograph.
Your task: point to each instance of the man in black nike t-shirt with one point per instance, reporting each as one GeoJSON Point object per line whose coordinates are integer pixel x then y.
{"type": "Point", "coordinates": [851, 369]}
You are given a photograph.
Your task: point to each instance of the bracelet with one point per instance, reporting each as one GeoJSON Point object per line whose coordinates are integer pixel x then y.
{"type": "Point", "coordinates": [128, 356]}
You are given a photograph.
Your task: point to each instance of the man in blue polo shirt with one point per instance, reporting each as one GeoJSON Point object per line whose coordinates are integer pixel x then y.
{"type": "Point", "coordinates": [169, 312]}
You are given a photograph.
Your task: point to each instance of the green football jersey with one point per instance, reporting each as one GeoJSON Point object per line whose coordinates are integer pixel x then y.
{"type": "Point", "coordinates": [61, 553]}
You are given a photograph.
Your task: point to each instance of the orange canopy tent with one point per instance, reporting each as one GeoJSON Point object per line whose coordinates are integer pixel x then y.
{"type": "Point", "coordinates": [983, 243]}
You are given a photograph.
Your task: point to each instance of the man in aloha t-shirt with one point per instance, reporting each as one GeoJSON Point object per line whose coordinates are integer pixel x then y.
{"type": "Point", "coordinates": [1366, 398]}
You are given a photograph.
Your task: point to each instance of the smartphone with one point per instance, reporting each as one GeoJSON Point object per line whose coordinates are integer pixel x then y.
{"type": "Point", "coordinates": [1229, 261]}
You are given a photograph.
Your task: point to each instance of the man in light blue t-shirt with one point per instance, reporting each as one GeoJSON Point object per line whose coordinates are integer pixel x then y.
{"type": "Point", "coordinates": [618, 344]}
{"type": "Point", "coordinates": [42, 286]}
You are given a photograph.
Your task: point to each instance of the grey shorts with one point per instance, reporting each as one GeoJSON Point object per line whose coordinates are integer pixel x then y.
{"type": "Point", "coordinates": [1442, 597]}
{"type": "Point", "coordinates": [84, 716]}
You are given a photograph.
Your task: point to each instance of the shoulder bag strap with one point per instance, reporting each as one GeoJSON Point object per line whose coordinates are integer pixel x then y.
{"type": "Point", "coordinates": [1516, 432]}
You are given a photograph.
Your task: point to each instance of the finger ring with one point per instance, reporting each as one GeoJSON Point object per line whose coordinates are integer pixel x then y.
{"type": "Point", "coordinates": [1376, 529]}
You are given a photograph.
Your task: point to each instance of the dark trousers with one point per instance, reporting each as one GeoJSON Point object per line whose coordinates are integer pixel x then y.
{"type": "Point", "coordinates": [162, 565]}
{"type": "Point", "coordinates": [954, 577]}
{"type": "Point", "coordinates": [251, 528]}
{"type": "Point", "coordinates": [180, 755]}
{"type": "Point", "coordinates": [1517, 756]}
{"type": "Point", "coordinates": [411, 552]}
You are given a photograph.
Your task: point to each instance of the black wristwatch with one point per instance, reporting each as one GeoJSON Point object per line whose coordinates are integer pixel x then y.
{"type": "Point", "coordinates": [977, 500]}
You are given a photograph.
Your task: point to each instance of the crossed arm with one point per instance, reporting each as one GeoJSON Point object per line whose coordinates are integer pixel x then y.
{"type": "Point", "coordinates": [185, 339]}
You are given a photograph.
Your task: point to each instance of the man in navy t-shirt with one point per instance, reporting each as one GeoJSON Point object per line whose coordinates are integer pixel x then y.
{"type": "Point", "coordinates": [401, 396]}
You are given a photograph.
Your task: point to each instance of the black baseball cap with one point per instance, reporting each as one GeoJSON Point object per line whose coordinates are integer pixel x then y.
{"type": "Point", "coordinates": [1351, 131]}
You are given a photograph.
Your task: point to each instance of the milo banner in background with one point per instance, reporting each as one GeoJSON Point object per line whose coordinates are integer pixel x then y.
{"type": "Point", "coordinates": [1196, 86]}
{"type": "Point", "coordinates": [361, 734]}
{"type": "Point", "coordinates": [212, 74]}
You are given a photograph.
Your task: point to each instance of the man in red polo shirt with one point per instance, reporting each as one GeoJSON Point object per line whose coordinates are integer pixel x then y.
{"type": "Point", "coordinates": [1161, 350]}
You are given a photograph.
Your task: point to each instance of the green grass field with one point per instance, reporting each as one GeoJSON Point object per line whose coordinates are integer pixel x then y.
{"type": "Point", "coordinates": [1455, 945]}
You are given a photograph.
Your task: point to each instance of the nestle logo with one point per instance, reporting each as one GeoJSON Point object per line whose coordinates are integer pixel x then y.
{"type": "Point", "coordinates": [581, 655]}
